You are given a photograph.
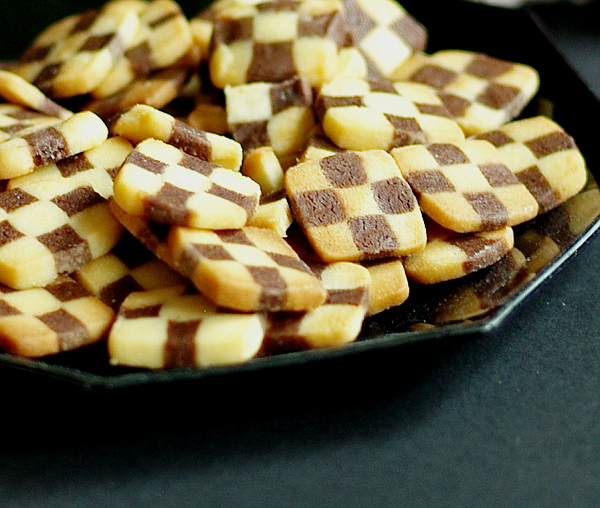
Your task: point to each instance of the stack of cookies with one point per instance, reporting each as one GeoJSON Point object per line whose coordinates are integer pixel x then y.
{"type": "Point", "coordinates": [256, 179]}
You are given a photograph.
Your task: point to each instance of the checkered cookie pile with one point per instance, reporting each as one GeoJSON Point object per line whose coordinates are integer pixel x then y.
{"type": "Point", "coordinates": [259, 178]}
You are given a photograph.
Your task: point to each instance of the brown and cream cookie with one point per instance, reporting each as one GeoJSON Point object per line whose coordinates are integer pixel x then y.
{"type": "Point", "coordinates": [543, 157]}
{"type": "Point", "coordinates": [357, 114]}
{"type": "Point", "coordinates": [163, 38]}
{"type": "Point", "coordinates": [96, 167]}
{"type": "Point", "coordinates": [52, 227]}
{"type": "Point", "coordinates": [31, 149]}
{"type": "Point", "coordinates": [279, 115]}
{"type": "Point", "coordinates": [354, 206]}
{"type": "Point", "coordinates": [385, 33]}
{"type": "Point", "coordinates": [171, 328]}
{"type": "Point", "coordinates": [73, 55]}
{"type": "Point", "coordinates": [449, 255]}
{"type": "Point", "coordinates": [276, 41]}
{"type": "Point", "coordinates": [129, 267]}
{"type": "Point", "coordinates": [465, 186]}
{"type": "Point", "coordinates": [162, 183]}
{"type": "Point", "coordinates": [335, 323]}
{"type": "Point", "coordinates": [142, 122]}
{"type": "Point", "coordinates": [248, 269]}
{"type": "Point", "coordinates": [17, 120]}
{"type": "Point", "coordinates": [61, 316]}
{"type": "Point", "coordinates": [17, 90]}
{"type": "Point", "coordinates": [481, 92]}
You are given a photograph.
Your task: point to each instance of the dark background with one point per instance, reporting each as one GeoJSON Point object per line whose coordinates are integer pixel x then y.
{"type": "Point", "coordinates": [506, 420]}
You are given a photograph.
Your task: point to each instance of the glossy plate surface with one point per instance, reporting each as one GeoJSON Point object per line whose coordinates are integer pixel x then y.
{"type": "Point", "coordinates": [473, 305]}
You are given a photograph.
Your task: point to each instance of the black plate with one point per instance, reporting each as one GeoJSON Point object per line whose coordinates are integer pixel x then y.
{"type": "Point", "coordinates": [476, 304]}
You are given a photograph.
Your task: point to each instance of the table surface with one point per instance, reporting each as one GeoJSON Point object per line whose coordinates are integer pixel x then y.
{"type": "Point", "coordinates": [506, 420]}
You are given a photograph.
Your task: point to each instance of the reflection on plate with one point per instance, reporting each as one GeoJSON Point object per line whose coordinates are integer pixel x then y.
{"type": "Point", "coordinates": [475, 304]}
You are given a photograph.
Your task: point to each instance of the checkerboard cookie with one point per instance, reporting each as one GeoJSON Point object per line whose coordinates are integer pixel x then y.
{"type": "Point", "coordinates": [96, 167]}
{"type": "Point", "coordinates": [31, 149]}
{"type": "Point", "coordinates": [142, 122]}
{"type": "Point", "coordinates": [275, 41]}
{"type": "Point", "coordinates": [279, 115]}
{"type": "Point", "coordinates": [50, 228]}
{"type": "Point", "coordinates": [335, 323]}
{"type": "Point", "coordinates": [449, 255]}
{"type": "Point", "coordinates": [17, 120]}
{"type": "Point", "coordinates": [465, 186]}
{"type": "Point", "coordinates": [16, 90]}
{"type": "Point", "coordinates": [73, 55]}
{"type": "Point", "coordinates": [163, 37]}
{"type": "Point", "coordinates": [354, 206]}
{"type": "Point", "coordinates": [385, 33]}
{"type": "Point", "coordinates": [480, 91]}
{"type": "Point", "coordinates": [61, 316]}
{"type": "Point", "coordinates": [248, 269]}
{"type": "Point", "coordinates": [129, 267]}
{"type": "Point", "coordinates": [357, 114]}
{"type": "Point", "coordinates": [171, 328]}
{"type": "Point", "coordinates": [162, 183]}
{"type": "Point", "coordinates": [543, 157]}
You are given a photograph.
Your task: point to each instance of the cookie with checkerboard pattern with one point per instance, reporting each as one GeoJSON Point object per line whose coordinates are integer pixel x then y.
{"type": "Point", "coordinates": [465, 186]}
{"type": "Point", "coordinates": [275, 41]}
{"type": "Point", "coordinates": [385, 33]}
{"type": "Point", "coordinates": [278, 115]}
{"type": "Point", "coordinates": [162, 183]}
{"type": "Point", "coordinates": [164, 37]}
{"type": "Point", "coordinates": [96, 167]}
{"type": "Point", "coordinates": [449, 255]}
{"type": "Point", "coordinates": [543, 157]}
{"type": "Point", "coordinates": [61, 316]}
{"type": "Point", "coordinates": [142, 122]}
{"type": "Point", "coordinates": [175, 328]}
{"type": "Point", "coordinates": [73, 55]}
{"type": "Point", "coordinates": [481, 92]}
{"type": "Point", "coordinates": [46, 144]}
{"type": "Point", "coordinates": [249, 269]}
{"type": "Point", "coordinates": [355, 205]}
{"type": "Point", "coordinates": [357, 114]}
{"type": "Point", "coordinates": [17, 120]}
{"type": "Point", "coordinates": [52, 227]}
